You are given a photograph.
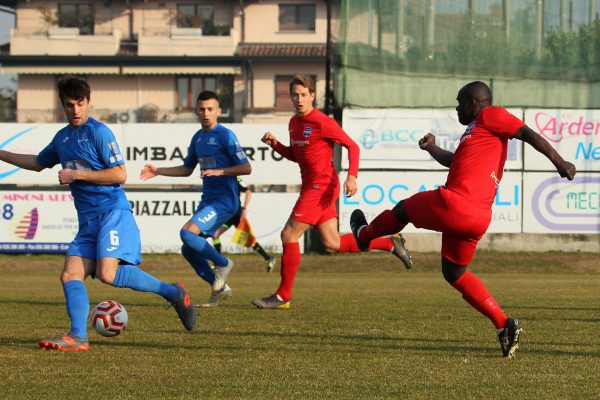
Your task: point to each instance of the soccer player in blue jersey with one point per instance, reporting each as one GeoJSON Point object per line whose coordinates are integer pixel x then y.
{"type": "Point", "coordinates": [107, 245]}
{"type": "Point", "coordinates": [221, 160]}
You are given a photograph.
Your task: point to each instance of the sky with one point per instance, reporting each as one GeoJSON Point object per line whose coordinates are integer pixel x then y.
{"type": "Point", "coordinates": [7, 21]}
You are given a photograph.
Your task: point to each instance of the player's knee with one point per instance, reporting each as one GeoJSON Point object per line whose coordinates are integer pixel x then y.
{"type": "Point", "coordinates": [452, 271]}
{"type": "Point", "coordinates": [186, 235]}
{"type": "Point", "coordinates": [286, 236]}
{"type": "Point", "coordinates": [66, 276]}
{"type": "Point", "coordinates": [400, 213]}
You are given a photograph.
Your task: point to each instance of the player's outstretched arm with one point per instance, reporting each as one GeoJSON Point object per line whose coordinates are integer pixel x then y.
{"type": "Point", "coordinates": [440, 155]}
{"type": "Point", "coordinates": [150, 171]}
{"type": "Point", "coordinates": [116, 175]}
{"type": "Point", "coordinates": [25, 161]}
{"type": "Point", "coordinates": [564, 168]}
{"type": "Point", "coordinates": [236, 170]}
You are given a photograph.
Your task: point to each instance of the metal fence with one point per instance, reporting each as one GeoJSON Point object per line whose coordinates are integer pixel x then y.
{"type": "Point", "coordinates": [417, 53]}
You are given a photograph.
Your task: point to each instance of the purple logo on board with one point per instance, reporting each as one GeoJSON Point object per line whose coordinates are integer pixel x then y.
{"type": "Point", "coordinates": [581, 196]}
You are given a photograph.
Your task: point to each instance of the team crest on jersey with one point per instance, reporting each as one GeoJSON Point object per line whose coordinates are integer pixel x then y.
{"type": "Point", "coordinates": [212, 141]}
{"type": "Point", "coordinates": [470, 127]}
{"type": "Point", "coordinates": [307, 131]}
{"type": "Point", "coordinates": [84, 137]}
{"type": "Point", "coordinates": [467, 133]}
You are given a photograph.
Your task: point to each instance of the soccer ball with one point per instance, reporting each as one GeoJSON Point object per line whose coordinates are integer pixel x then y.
{"type": "Point", "coordinates": [109, 318]}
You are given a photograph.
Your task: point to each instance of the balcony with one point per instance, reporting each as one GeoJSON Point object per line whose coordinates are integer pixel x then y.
{"type": "Point", "coordinates": [63, 42]}
{"type": "Point", "coordinates": [187, 42]}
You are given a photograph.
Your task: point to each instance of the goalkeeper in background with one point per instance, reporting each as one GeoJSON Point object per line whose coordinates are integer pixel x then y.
{"type": "Point", "coordinates": [235, 221]}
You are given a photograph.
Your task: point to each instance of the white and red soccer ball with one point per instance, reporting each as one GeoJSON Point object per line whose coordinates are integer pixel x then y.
{"type": "Point", "coordinates": [109, 318]}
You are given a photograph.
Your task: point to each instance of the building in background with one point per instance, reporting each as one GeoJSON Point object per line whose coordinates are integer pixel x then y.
{"type": "Point", "coordinates": [147, 60]}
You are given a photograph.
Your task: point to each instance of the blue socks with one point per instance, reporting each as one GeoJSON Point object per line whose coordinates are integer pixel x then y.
{"type": "Point", "coordinates": [130, 276]}
{"type": "Point", "coordinates": [199, 264]}
{"type": "Point", "coordinates": [201, 245]}
{"type": "Point", "coordinates": [78, 307]}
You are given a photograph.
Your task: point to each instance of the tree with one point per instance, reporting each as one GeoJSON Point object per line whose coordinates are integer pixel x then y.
{"type": "Point", "coordinates": [8, 103]}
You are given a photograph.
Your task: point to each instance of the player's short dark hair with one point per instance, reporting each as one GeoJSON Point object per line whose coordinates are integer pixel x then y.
{"type": "Point", "coordinates": [207, 95]}
{"type": "Point", "coordinates": [73, 87]}
{"type": "Point", "coordinates": [479, 90]}
{"type": "Point", "coordinates": [303, 80]}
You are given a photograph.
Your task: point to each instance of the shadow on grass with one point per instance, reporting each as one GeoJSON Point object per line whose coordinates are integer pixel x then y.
{"type": "Point", "coordinates": [158, 304]}
{"type": "Point", "coordinates": [558, 308]}
{"type": "Point", "coordinates": [358, 343]}
{"type": "Point", "coordinates": [33, 302]}
{"type": "Point", "coordinates": [562, 319]}
{"type": "Point", "coordinates": [428, 345]}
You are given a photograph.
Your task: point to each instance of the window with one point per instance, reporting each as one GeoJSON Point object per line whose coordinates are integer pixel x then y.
{"type": "Point", "coordinates": [77, 16]}
{"type": "Point", "coordinates": [297, 17]}
{"type": "Point", "coordinates": [189, 87]}
{"type": "Point", "coordinates": [200, 16]}
{"type": "Point", "coordinates": [282, 92]}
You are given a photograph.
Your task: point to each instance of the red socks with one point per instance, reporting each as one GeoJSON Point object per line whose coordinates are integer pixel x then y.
{"type": "Point", "coordinates": [348, 244]}
{"type": "Point", "coordinates": [384, 224]}
{"type": "Point", "coordinates": [475, 293]}
{"type": "Point", "coordinates": [290, 260]}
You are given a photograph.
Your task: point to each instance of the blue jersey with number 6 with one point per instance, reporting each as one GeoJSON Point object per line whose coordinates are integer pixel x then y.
{"type": "Point", "coordinates": [89, 147]}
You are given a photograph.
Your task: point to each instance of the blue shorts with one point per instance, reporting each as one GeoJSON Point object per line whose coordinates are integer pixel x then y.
{"type": "Point", "coordinates": [113, 234]}
{"type": "Point", "coordinates": [209, 217]}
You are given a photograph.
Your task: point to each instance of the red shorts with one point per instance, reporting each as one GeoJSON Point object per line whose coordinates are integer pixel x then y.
{"type": "Point", "coordinates": [462, 224]}
{"type": "Point", "coordinates": [316, 205]}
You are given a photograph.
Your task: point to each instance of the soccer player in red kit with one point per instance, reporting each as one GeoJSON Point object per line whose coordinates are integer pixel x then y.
{"type": "Point", "coordinates": [462, 208]}
{"type": "Point", "coordinates": [312, 138]}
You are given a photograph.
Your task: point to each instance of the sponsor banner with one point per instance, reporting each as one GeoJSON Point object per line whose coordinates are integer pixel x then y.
{"type": "Point", "coordinates": [166, 145]}
{"type": "Point", "coordinates": [44, 221]}
{"type": "Point", "coordinates": [171, 210]}
{"type": "Point", "coordinates": [31, 139]}
{"type": "Point", "coordinates": [36, 221]}
{"type": "Point", "coordinates": [556, 205]}
{"type": "Point", "coordinates": [379, 191]}
{"type": "Point", "coordinates": [575, 134]}
{"type": "Point", "coordinates": [388, 138]}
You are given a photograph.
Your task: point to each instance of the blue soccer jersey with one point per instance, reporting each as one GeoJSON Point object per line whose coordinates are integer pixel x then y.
{"type": "Point", "coordinates": [89, 147]}
{"type": "Point", "coordinates": [216, 149]}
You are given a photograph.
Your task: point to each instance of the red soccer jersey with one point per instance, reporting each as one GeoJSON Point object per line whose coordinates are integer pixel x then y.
{"type": "Point", "coordinates": [478, 162]}
{"type": "Point", "coordinates": [311, 145]}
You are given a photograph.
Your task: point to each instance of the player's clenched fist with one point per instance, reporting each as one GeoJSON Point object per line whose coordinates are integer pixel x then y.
{"type": "Point", "coordinates": [566, 170]}
{"type": "Point", "coordinates": [269, 139]}
{"type": "Point", "coordinates": [427, 141]}
{"type": "Point", "coordinates": [66, 176]}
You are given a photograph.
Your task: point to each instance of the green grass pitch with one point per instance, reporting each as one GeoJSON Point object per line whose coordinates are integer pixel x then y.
{"type": "Point", "coordinates": [360, 327]}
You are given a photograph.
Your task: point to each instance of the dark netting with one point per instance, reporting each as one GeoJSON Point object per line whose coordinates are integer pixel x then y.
{"type": "Point", "coordinates": [418, 53]}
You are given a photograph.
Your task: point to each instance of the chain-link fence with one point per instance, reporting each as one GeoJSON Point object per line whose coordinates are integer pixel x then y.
{"type": "Point", "coordinates": [418, 53]}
